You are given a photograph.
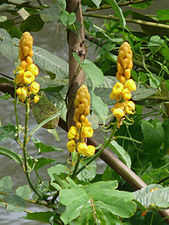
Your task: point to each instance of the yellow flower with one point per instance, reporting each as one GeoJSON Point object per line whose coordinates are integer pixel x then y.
{"type": "Point", "coordinates": [33, 69]}
{"type": "Point", "coordinates": [87, 132]}
{"type": "Point", "coordinates": [118, 112]}
{"type": "Point", "coordinates": [28, 77]}
{"type": "Point", "coordinates": [82, 148]}
{"type": "Point", "coordinates": [126, 94]}
{"type": "Point", "coordinates": [118, 88]}
{"type": "Point", "coordinates": [130, 107]}
{"type": "Point", "coordinates": [22, 93]}
{"type": "Point", "coordinates": [90, 150]}
{"type": "Point", "coordinates": [72, 132]}
{"type": "Point", "coordinates": [34, 88]}
{"type": "Point", "coordinates": [36, 98]}
{"type": "Point", "coordinates": [130, 84]}
{"type": "Point", "coordinates": [71, 145]}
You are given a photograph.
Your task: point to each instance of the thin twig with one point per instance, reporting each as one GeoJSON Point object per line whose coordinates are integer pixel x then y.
{"type": "Point", "coordinates": [141, 22]}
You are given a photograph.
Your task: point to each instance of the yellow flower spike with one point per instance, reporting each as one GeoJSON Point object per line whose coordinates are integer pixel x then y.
{"type": "Point", "coordinates": [19, 79]}
{"type": "Point", "coordinates": [87, 131]}
{"type": "Point", "coordinates": [71, 146]}
{"type": "Point", "coordinates": [28, 77]}
{"type": "Point", "coordinates": [22, 93]}
{"type": "Point", "coordinates": [82, 148]}
{"type": "Point", "coordinates": [126, 94]}
{"type": "Point", "coordinates": [34, 88]}
{"type": "Point", "coordinates": [90, 150]}
{"type": "Point", "coordinates": [130, 84]}
{"type": "Point", "coordinates": [33, 69]}
{"type": "Point", "coordinates": [72, 132]}
{"type": "Point", "coordinates": [118, 88]}
{"type": "Point", "coordinates": [36, 98]}
{"type": "Point", "coordinates": [130, 107]}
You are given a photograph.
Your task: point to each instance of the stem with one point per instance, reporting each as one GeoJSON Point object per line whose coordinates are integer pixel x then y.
{"type": "Point", "coordinates": [76, 166]}
{"type": "Point", "coordinates": [25, 151]}
{"type": "Point", "coordinates": [100, 151]}
{"type": "Point", "coordinates": [141, 22]}
{"type": "Point", "coordinates": [15, 109]}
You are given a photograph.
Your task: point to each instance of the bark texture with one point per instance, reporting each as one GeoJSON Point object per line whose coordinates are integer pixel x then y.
{"type": "Point", "coordinates": [76, 42]}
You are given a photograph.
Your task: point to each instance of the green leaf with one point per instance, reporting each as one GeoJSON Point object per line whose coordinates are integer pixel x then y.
{"type": "Point", "coordinates": [71, 19]}
{"type": "Point", "coordinates": [142, 5]}
{"type": "Point", "coordinates": [12, 155]}
{"type": "Point", "coordinates": [3, 18]}
{"type": "Point", "coordinates": [5, 96]}
{"type": "Point", "coordinates": [105, 89]}
{"type": "Point", "coordinates": [117, 11]}
{"type": "Point", "coordinates": [74, 199]}
{"type": "Point", "coordinates": [15, 200]}
{"type": "Point", "coordinates": [163, 14]}
{"type": "Point", "coordinates": [40, 216]}
{"type": "Point", "coordinates": [142, 93]}
{"type": "Point", "coordinates": [8, 49]}
{"type": "Point", "coordinates": [85, 203]}
{"type": "Point", "coordinates": [165, 125]}
{"type": "Point", "coordinates": [155, 42]}
{"type": "Point", "coordinates": [153, 133]}
{"type": "Point", "coordinates": [50, 62]}
{"type": "Point", "coordinates": [101, 185]}
{"type": "Point", "coordinates": [153, 194]}
{"type": "Point", "coordinates": [6, 184]}
{"type": "Point", "coordinates": [64, 17]}
{"type": "Point", "coordinates": [99, 107]}
{"type": "Point", "coordinates": [41, 147]}
{"type": "Point", "coordinates": [7, 131]}
{"type": "Point", "coordinates": [88, 173]}
{"type": "Point", "coordinates": [24, 191]}
{"type": "Point", "coordinates": [41, 162]}
{"type": "Point", "coordinates": [62, 4]}
{"type": "Point", "coordinates": [51, 14]}
{"type": "Point", "coordinates": [33, 23]}
{"type": "Point", "coordinates": [93, 72]}
{"type": "Point", "coordinates": [4, 34]}
{"type": "Point", "coordinates": [119, 150]}
{"type": "Point", "coordinates": [57, 170]}
{"type": "Point", "coordinates": [97, 2]}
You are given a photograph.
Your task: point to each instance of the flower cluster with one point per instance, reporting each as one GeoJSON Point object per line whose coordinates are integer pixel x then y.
{"type": "Point", "coordinates": [27, 70]}
{"type": "Point", "coordinates": [77, 134]}
{"type": "Point", "coordinates": [121, 91]}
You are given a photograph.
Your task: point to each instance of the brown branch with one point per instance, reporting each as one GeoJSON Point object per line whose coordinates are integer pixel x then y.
{"type": "Point", "coordinates": [76, 44]}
